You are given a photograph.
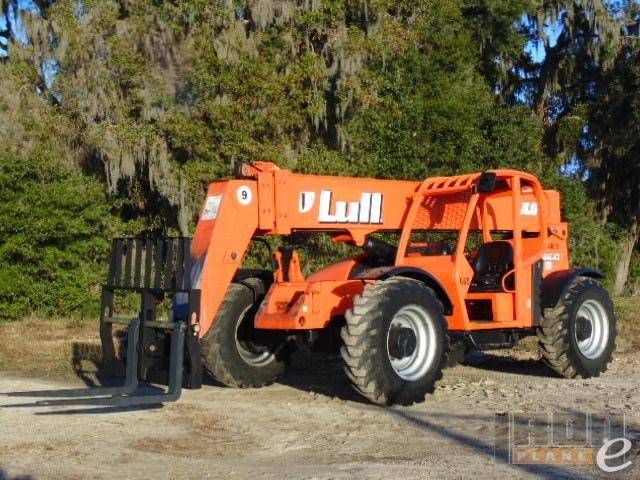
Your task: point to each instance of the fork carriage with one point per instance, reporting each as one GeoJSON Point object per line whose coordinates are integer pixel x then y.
{"type": "Point", "coordinates": [157, 269]}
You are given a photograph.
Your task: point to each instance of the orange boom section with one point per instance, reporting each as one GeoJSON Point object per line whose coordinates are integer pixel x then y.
{"type": "Point", "coordinates": [279, 202]}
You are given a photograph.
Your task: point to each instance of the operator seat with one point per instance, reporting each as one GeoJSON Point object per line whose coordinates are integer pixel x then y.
{"type": "Point", "coordinates": [491, 263]}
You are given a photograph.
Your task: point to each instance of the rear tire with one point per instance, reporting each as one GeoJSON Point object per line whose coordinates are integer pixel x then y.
{"type": "Point", "coordinates": [577, 336]}
{"type": "Point", "coordinates": [229, 350]}
{"type": "Point", "coordinates": [395, 342]}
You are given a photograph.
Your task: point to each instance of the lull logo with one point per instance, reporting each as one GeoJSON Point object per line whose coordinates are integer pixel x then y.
{"type": "Point", "coordinates": [305, 203]}
{"type": "Point", "coordinates": [368, 210]}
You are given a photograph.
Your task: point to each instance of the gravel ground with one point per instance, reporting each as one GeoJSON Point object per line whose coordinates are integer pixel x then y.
{"type": "Point", "coordinates": [311, 425]}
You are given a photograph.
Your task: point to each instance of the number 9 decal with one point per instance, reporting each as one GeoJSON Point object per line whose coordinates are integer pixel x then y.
{"type": "Point", "coordinates": [244, 195]}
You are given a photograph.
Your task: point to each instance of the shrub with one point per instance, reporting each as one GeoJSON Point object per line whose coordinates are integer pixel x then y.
{"type": "Point", "coordinates": [53, 238]}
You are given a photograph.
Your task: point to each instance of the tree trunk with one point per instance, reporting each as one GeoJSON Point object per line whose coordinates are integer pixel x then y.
{"type": "Point", "coordinates": [553, 56]}
{"type": "Point", "coordinates": [622, 269]}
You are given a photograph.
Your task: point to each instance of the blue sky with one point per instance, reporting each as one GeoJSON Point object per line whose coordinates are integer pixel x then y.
{"type": "Point", "coordinates": [536, 47]}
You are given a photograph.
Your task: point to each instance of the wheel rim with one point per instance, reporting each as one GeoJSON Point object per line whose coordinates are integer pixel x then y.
{"type": "Point", "coordinates": [254, 355]}
{"type": "Point", "coordinates": [411, 342]}
{"type": "Point", "coordinates": [592, 329]}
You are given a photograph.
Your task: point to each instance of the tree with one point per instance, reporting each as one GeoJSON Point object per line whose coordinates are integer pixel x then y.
{"type": "Point", "coordinates": [613, 135]}
{"type": "Point", "coordinates": [152, 100]}
{"type": "Point", "coordinates": [55, 221]}
{"type": "Point", "coordinates": [167, 96]}
{"type": "Point", "coordinates": [586, 42]}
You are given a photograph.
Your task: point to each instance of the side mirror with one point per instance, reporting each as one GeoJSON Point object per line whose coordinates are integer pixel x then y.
{"type": "Point", "coordinates": [487, 182]}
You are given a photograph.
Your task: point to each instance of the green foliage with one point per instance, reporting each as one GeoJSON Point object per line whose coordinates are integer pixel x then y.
{"type": "Point", "coordinates": [590, 243]}
{"type": "Point", "coordinates": [115, 116]}
{"type": "Point", "coordinates": [613, 118]}
{"type": "Point", "coordinates": [53, 228]}
{"type": "Point", "coordinates": [55, 220]}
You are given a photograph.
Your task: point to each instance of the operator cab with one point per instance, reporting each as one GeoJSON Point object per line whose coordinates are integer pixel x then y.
{"type": "Point", "coordinates": [492, 262]}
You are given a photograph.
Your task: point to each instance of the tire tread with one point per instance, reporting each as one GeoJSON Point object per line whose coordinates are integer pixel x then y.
{"type": "Point", "coordinates": [554, 335]}
{"type": "Point", "coordinates": [359, 351]}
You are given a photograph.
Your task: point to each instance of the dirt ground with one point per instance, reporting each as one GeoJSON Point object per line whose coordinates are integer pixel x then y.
{"type": "Point", "coordinates": [312, 426]}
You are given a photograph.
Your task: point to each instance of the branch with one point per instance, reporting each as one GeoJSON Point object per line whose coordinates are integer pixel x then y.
{"type": "Point", "coordinates": [4, 34]}
{"type": "Point", "coordinates": [552, 58]}
{"type": "Point", "coordinates": [41, 85]}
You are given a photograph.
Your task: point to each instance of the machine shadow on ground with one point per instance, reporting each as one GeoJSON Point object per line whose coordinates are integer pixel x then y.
{"type": "Point", "coordinates": [322, 373]}
{"type": "Point", "coordinates": [310, 372]}
{"type": "Point", "coordinates": [5, 476]}
{"type": "Point", "coordinates": [507, 364]}
{"type": "Point", "coordinates": [436, 424]}
{"type": "Point", "coordinates": [316, 373]}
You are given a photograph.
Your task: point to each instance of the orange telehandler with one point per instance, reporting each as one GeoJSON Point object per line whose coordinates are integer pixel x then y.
{"type": "Point", "coordinates": [448, 264]}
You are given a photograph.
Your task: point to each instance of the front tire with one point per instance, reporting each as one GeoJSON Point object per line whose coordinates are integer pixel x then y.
{"type": "Point", "coordinates": [231, 350]}
{"type": "Point", "coordinates": [395, 342]}
{"type": "Point", "coordinates": [577, 336]}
